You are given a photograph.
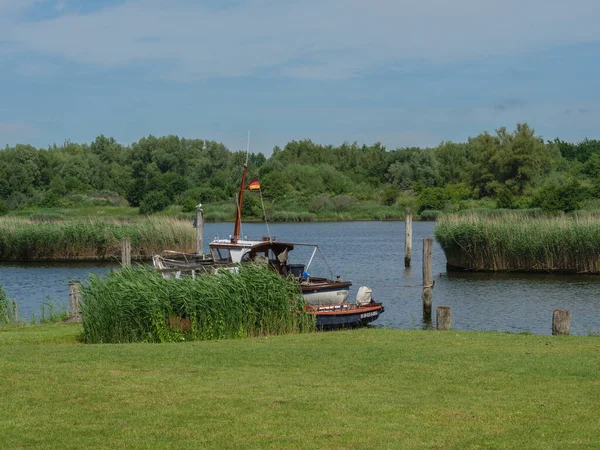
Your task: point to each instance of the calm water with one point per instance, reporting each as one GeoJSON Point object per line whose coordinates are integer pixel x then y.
{"type": "Point", "coordinates": [372, 254]}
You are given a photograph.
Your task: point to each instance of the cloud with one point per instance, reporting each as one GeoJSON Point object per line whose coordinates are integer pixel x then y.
{"type": "Point", "coordinates": [315, 39]}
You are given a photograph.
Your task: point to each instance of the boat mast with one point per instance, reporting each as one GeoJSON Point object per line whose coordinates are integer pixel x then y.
{"type": "Point", "coordinates": [240, 199]}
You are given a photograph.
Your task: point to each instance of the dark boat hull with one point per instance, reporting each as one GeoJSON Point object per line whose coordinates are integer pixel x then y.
{"type": "Point", "coordinates": [347, 316]}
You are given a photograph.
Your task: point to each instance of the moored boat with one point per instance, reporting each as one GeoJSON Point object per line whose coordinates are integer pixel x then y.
{"type": "Point", "coordinates": [326, 298]}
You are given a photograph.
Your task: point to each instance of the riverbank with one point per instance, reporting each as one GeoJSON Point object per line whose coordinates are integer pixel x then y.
{"type": "Point", "coordinates": [370, 388]}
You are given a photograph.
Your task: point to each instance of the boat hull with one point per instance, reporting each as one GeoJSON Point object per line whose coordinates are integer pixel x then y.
{"type": "Point", "coordinates": [346, 315]}
{"type": "Point", "coordinates": [325, 297]}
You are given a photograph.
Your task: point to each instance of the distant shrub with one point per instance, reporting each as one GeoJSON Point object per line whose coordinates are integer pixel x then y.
{"type": "Point", "coordinates": [343, 202]}
{"type": "Point", "coordinates": [389, 195]}
{"type": "Point", "coordinates": [432, 198]}
{"type": "Point", "coordinates": [153, 202]}
{"type": "Point", "coordinates": [430, 214]}
{"type": "Point", "coordinates": [190, 199]}
{"type": "Point", "coordinates": [562, 196]}
{"type": "Point", "coordinates": [319, 203]}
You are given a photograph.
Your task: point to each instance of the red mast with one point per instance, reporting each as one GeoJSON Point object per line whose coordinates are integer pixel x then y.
{"type": "Point", "coordinates": [238, 213]}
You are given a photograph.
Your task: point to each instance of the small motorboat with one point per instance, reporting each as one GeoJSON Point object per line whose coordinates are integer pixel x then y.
{"type": "Point", "coordinates": [346, 315]}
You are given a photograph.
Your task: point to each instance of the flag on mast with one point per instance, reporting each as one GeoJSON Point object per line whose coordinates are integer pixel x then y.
{"type": "Point", "coordinates": [254, 186]}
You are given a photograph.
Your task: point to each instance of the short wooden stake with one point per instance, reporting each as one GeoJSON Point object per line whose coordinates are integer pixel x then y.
{"type": "Point", "coordinates": [427, 278]}
{"type": "Point", "coordinates": [199, 231]}
{"type": "Point", "coordinates": [561, 322]}
{"type": "Point", "coordinates": [15, 308]}
{"type": "Point", "coordinates": [408, 237]}
{"type": "Point", "coordinates": [126, 251]}
{"type": "Point", "coordinates": [75, 298]}
{"type": "Point", "coordinates": [443, 317]}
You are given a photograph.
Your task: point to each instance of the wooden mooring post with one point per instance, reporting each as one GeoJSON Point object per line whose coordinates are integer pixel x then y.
{"type": "Point", "coordinates": [15, 311]}
{"type": "Point", "coordinates": [561, 322]}
{"type": "Point", "coordinates": [408, 237]}
{"type": "Point", "coordinates": [74, 298]}
{"type": "Point", "coordinates": [126, 251]}
{"type": "Point", "coordinates": [199, 230]}
{"type": "Point", "coordinates": [443, 318]}
{"type": "Point", "coordinates": [427, 279]}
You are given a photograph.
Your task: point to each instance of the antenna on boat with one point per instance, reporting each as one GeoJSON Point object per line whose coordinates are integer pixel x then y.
{"type": "Point", "coordinates": [248, 147]}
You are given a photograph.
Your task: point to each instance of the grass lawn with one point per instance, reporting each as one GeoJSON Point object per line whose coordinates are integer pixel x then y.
{"type": "Point", "coordinates": [353, 389]}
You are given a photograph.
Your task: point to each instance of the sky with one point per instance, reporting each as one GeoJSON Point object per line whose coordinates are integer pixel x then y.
{"type": "Point", "coordinates": [399, 72]}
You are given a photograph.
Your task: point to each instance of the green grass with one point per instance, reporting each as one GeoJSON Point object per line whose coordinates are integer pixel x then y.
{"type": "Point", "coordinates": [137, 304]}
{"type": "Point", "coordinates": [91, 239]}
{"type": "Point", "coordinates": [521, 242]}
{"type": "Point", "coordinates": [370, 388]}
{"type": "Point", "coordinates": [219, 212]}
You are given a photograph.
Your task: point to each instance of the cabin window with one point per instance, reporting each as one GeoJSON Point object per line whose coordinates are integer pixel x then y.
{"type": "Point", "coordinates": [222, 254]}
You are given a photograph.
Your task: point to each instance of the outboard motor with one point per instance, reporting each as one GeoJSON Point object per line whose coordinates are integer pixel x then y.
{"type": "Point", "coordinates": [363, 296]}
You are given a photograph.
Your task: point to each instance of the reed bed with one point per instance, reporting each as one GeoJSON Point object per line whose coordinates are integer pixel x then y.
{"type": "Point", "coordinates": [139, 305]}
{"type": "Point", "coordinates": [91, 239]}
{"type": "Point", "coordinates": [513, 242]}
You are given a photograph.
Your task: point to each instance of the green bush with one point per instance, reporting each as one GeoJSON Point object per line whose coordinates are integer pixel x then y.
{"type": "Point", "coordinates": [153, 202]}
{"type": "Point", "coordinates": [565, 195]}
{"type": "Point", "coordinates": [432, 198]}
{"type": "Point", "coordinates": [430, 214]}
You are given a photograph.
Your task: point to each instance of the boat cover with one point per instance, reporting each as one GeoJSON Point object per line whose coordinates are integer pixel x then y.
{"type": "Point", "coordinates": [363, 297]}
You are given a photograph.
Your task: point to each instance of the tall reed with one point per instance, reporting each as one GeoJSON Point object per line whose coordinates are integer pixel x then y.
{"type": "Point", "coordinates": [91, 239]}
{"type": "Point", "coordinates": [521, 243]}
{"type": "Point", "coordinates": [5, 308]}
{"type": "Point", "coordinates": [137, 304]}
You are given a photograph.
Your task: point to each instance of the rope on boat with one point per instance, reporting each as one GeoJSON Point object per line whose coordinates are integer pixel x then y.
{"type": "Point", "coordinates": [265, 214]}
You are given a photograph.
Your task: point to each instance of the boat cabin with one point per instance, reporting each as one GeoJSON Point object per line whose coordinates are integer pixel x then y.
{"type": "Point", "coordinates": [275, 253]}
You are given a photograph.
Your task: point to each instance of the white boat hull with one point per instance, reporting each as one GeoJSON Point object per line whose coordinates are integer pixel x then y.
{"type": "Point", "coordinates": [326, 297]}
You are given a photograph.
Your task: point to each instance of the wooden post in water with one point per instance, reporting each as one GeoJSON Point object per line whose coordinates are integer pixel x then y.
{"type": "Point", "coordinates": [199, 230]}
{"type": "Point", "coordinates": [15, 311]}
{"type": "Point", "coordinates": [561, 322]}
{"type": "Point", "coordinates": [75, 298]}
{"type": "Point", "coordinates": [408, 237]}
{"type": "Point", "coordinates": [443, 317]}
{"type": "Point", "coordinates": [427, 279]}
{"type": "Point", "coordinates": [126, 251]}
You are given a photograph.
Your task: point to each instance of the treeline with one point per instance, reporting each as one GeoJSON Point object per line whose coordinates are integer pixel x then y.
{"type": "Point", "coordinates": [501, 170]}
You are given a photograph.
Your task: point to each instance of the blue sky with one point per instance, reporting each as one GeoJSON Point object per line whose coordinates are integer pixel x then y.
{"type": "Point", "coordinates": [393, 71]}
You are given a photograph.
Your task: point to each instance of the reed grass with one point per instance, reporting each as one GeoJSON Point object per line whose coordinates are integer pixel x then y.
{"type": "Point", "coordinates": [5, 307]}
{"type": "Point", "coordinates": [516, 242]}
{"type": "Point", "coordinates": [91, 239]}
{"type": "Point", "coordinates": [137, 304]}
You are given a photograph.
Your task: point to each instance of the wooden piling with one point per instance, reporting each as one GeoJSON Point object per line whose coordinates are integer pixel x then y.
{"type": "Point", "coordinates": [75, 298]}
{"type": "Point", "coordinates": [427, 278]}
{"type": "Point", "coordinates": [561, 322]}
{"type": "Point", "coordinates": [408, 237]}
{"type": "Point", "coordinates": [15, 311]}
{"type": "Point", "coordinates": [443, 316]}
{"type": "Point", "coordinates": [199, 231]}
{"type": "Point", "coordinates": [126, 251]}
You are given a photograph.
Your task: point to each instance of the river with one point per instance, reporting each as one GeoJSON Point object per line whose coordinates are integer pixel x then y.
{"type": "Point", "coordinates": [372, 254]}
